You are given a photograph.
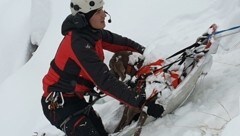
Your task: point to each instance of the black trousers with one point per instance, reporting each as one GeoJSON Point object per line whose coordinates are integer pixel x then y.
{"type": "Point", "coordinates": [80, 125]}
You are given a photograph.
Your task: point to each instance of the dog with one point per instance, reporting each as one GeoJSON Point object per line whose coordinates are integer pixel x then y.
{"type": "Point", "coordinates": [123, 64]}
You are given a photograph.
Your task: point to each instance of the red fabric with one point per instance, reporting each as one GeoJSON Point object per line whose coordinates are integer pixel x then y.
{"type": "Point", "coordinates": [149, 70]}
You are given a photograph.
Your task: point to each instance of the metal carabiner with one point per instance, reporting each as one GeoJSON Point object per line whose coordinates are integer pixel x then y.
{"type": "Point", "coordinates": [53, 100]}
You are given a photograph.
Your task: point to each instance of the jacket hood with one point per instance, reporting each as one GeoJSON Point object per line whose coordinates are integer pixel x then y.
{"type": "Point", "coordinates": [74, 22]}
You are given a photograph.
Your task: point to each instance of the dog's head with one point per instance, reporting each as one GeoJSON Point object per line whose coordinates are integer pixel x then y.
{"type": "Point", "coordinates": [125, 63]}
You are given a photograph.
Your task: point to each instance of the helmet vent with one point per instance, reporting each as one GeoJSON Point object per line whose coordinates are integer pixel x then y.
{"type": "Point", "coordinates": [75, 7]}
{"type": "Point", "coordinates": [91, 3]}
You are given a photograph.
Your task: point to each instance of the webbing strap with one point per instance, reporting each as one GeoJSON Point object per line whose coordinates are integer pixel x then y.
{"type": "Point", "coordinates": [84, 111]}
{"type": "Point", "coordinates": [78, 79]}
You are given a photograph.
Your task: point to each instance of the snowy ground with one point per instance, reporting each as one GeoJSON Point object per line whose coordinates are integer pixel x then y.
{"type": "Point", "coordinates": [164, 27]}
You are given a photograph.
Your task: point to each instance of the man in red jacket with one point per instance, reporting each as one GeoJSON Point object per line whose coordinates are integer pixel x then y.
{"type": "Point", "coordinates": [78, 66]}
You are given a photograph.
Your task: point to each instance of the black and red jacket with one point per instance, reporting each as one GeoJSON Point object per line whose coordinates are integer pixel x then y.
{"type": "Point", "coordinates": [78, 64]}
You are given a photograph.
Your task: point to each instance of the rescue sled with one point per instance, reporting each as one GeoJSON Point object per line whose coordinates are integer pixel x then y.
{"type": "Point", "coordinates": [177, 79]}
{"type": "Point", "coordinates": [173, 80]}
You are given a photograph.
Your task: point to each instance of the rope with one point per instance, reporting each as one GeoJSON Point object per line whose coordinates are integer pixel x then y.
{"type": "Point", "coordinates": [218, 32]}
{"type": "Point", "coordinates": [221, 36]}
{"type": "Point", "coordinates": [225, 30]}
{"type": "Point", "coordinates": [229, 34]}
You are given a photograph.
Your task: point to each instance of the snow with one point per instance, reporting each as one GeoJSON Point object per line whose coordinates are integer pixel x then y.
{"type": "Point", "coordinates": [164, 27]}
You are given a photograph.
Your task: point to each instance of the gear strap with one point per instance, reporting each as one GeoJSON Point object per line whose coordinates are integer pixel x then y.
{"type": "Point", "coordinates": [84, 111]}
{"type": "Point", "coordinates": [77, 78]}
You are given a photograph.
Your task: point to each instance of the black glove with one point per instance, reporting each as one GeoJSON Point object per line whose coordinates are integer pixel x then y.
{"type": "Point", "coordinates": [154, 110]}
{"type": "Point", "coordinates": [140, 96]}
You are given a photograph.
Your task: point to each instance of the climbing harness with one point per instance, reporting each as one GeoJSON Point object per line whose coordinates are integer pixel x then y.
{"type": "Point", "coordinates": [84, 111]}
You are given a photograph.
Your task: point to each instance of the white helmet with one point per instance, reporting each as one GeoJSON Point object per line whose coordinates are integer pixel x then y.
{"type": "Point", "coordinates": [85, 6]}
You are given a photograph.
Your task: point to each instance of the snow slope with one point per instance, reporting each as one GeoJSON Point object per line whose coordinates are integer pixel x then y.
{"type": "Point", "coordinates": [164, 27]}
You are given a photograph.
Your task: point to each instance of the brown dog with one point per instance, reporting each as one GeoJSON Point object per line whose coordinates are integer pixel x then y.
{"type": "Point", "coordinates": [118, 64]}
{"type": "Point", "coordinates": [125, 63]}
{"type": "Point", "coordinates": [122, 64]}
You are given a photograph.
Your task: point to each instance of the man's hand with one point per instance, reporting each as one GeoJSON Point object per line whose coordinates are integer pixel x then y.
{"type": "Point", "coordinates": [154, 110]}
